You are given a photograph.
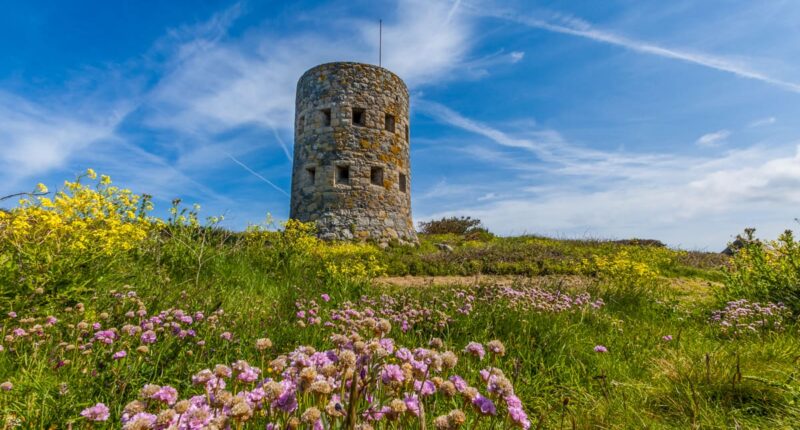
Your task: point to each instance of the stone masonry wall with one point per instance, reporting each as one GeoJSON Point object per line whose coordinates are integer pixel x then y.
{"type": "Point", "coordinates": [351, 172]}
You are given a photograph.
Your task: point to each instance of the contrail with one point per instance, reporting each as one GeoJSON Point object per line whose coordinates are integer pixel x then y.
{"type": "Point", "coordinates": [282, 143]}
{"type": "Point", "coordinates": [583, 29]}
{"type": "Point", "coordinates": [257, 175]}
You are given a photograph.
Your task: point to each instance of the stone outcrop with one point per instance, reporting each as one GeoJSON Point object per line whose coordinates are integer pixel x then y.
{"type": "Point", "coordinates": [351, 171]}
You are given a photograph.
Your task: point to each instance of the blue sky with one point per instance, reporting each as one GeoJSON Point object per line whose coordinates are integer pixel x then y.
{"type": "Point", "coordinates": [669, 120]}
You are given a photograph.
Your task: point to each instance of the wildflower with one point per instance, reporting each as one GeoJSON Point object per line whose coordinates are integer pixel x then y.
{"type": "Point", "coordinates": [392, 375]}
{"type": "Point", "coordinates": [667, 338]}
{"type": "Point", "coordinates": [165, 394]}
{"type": "Point", "coordinates": [456, 418]}
{"type": "Point", "coordinates": [484, 405]}
{"type": "Point", "coordinates": [226, 335]}
{"type": "Point", "coordinates": [326, 297]}
{"type": "Point", "coordinates": [41, 188]}
{"type": "Point", "coordinates": [141, 420]}
{"type": "Point", "coordinates": [142, 349]}
{"type": "Point", "coordinates": [105, 336]}
{"type": "Point", "coordinates": [222, 371]}
{"type": "Point", "coordinates": [12, 314]}
{"type": "Point", "coordinates": [119, 355]}
{"type": "Point", "coordinates": [148, 337]}
{"type": "Point", "coordinates": [91, 174]}
{"type": "Point", "coordinates": [412, 404]}
{"type": "Point", "coordinates": [51, 320]}
{"type": "Point", "coordinates": [497, 348]}
{"type": "Point", "coordinates": [263, 343]}
{"type": "Point", "coordinates": [519, 417]}
{"type": "Point", "coordinates": [601, 349]}
{"type": "Point", "coordinates": [6, 386]}
{"type": "Point", "coordinates": [424, 388]}
{"type": "Point", "coordinates": [98, 412]}
{"type": "Point", "coordinates": [475, 349]}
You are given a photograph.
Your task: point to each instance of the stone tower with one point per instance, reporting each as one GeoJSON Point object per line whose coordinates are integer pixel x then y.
{"type": "Point", "coordinates": [351, 170]}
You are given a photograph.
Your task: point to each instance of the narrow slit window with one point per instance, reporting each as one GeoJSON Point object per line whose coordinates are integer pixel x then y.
{"type": "Point", "coordinates": [403, 182]}
{"type": "Point", "coordinates": [389, 123]}
{"type": "Point", "coordinates": [407, 136]}
{"type": "Point", "coordinates": [326, 117]}
{"type": "Point", "coordinates": [359, 117]}
{"type": "Point", "coordinates": [301, 124]}
{"type": "Point", "coordinates": [343, 175]}
{"type": "Point", "coordinates": [376, 176]}
{"type": "Point", "coordinates": [312, 174]}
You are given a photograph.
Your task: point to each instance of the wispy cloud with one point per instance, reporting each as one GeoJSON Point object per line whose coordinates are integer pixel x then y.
{"type": "Point", "coordinates": [577, 191]}
{"type": "Point", "coordinates": [713, 139]}
{"type": "Point", "coordinates": [763, 121]}
{"type": "Point", "coordinates": [566, 24]}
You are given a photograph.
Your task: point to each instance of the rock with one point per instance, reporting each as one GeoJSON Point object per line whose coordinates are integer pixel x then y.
{"type": "Point", "coordinates": [444, 247]}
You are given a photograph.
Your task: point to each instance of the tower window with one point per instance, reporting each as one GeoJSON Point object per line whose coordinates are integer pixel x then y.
{"type": "Point", "coordinates": [343, 175]}
{"type": "Point", "coordinates": [388, 122]}
{"type": "Point", "coordinates": [359, 116]}
{"type": "Point", "coordinates": [326, 117]}
{"type": "Point", "coordinates": [376, 175]}
{"type": "Point", "coordinates": [402, 181]}
{"type": "Point", "coordinates": [301, 124]}
{"type": "Point", "coordinates": [407, 133]}
{"type": "Point", "coordinates": [312, 174]}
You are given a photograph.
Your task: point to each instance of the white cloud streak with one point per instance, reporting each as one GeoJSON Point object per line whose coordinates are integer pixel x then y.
{"type": "Point", "coordinates": [565, 24]}
{"type": "Point", "coordinates": [257, 175]}
{"type": "Point", "coordinates": [713, 139]}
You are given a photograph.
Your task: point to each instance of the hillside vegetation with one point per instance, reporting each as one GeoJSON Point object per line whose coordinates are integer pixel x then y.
{"type": "Point", "coordinates": [112, 318]}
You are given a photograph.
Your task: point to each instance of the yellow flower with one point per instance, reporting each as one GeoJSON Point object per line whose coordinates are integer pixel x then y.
{"type": "Point", "coordinates": [41, 188]}
{"type": "Point", "coordinates": [91, 174]}
{"type": "Point", "coordinates": [105, 179]}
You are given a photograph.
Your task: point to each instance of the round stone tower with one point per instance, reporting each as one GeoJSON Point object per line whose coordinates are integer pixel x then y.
{"type": "Point", "coordinates": [351, 171]}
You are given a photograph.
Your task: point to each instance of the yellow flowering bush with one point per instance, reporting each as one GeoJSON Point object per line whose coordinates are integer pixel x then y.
{"type": "Point", "coordinates": [297, 242]}
{"type": "Point", "coordinates": [623, 270]}
{"type": "Point", "coordinates": [765, 271]}
{"type": "Point", "coordinates": [81, 223]}
{"type": "Point", "coordinates": [347, 260]}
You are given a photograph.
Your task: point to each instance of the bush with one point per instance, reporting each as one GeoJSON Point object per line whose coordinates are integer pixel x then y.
{"type": "Point", "coordinates": [766, 271]}
{"type": "Point", "coordinates": [55, 244]}
{"type": "Point", "coordinates": [453, 225]}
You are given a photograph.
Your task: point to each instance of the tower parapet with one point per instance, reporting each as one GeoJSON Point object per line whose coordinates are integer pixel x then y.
{"type": "Point", "coordinates": [351, 172]}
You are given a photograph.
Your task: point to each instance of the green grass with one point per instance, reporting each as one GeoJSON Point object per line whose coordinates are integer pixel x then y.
{"type": "Point", "coordinates": [700, 379]}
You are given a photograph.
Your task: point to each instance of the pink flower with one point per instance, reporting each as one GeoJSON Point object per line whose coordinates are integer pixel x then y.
{"type": "Point", "coordinates": [392, 373]}
{"type": "Point", "coordinates": [119, 355]}
{"type": "Point", "coordinates": [667, 338]}
{"type": "Point", "coordinates": [98, 412]}
{"type": "Point", "coordinates": [600, 349]}
{"type": "Point", "coordinates": [51, 320]}
{"type": "Point", "coordinates": [226, 335]}
{"type": "Point", "coordinates": [166, 394]}
{"type": "Point", "coordinates": [326, 297]}
{"type": "Point", "coordinates": [12, 314]}
{"type": "Point", "coordinates": [475, 349]}
{"type": "Point", "coordinates": [105, 336]}
{"type": "Point", "coordinates": [484, 405]}
{"type": "Point", "coordinates": [148, 337]}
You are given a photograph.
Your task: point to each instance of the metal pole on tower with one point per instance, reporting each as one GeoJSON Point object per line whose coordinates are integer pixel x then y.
{"type": "Point", "coordinates": [380, 42]}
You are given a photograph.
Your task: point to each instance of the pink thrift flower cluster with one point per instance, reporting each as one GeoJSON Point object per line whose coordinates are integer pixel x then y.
{"type": "Point", "coordinates": [742, 317]}
{"type": "Point", "coordinates": [373, 382]}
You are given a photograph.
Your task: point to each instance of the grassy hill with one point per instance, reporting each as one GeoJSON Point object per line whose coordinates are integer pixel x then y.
{"type": "Point", "coordinates": [102, 303]}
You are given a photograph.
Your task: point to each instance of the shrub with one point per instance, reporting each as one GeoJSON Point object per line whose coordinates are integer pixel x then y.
{"type": "Point", "coordinates": [452, 225]}
{"type": "Point", "coordinates": [47, 242]}
{"type": "Point", "coordinates": [766, 271]}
